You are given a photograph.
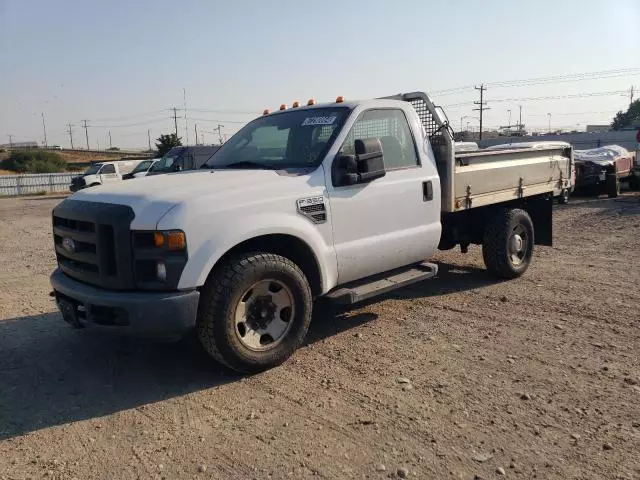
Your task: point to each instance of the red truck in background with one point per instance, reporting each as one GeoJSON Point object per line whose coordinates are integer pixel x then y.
{"type": "Point", "coordinates": [600, 170]}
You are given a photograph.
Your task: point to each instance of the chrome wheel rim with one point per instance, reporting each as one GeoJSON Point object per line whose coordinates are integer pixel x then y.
{"type": "Point", "coordinates": [264, 315]}
{"type": "Point", "coordinates": [518, 245]}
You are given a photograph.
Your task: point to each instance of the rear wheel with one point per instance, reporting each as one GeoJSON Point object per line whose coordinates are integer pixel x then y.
{"type": "Point", "coordinates": [507, 245]}
{"type": "Point", "coordinates": [254, 312]}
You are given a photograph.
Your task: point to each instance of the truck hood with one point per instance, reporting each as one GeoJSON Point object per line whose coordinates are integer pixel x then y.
{"type": "Point", "coordinates": [151, 197]}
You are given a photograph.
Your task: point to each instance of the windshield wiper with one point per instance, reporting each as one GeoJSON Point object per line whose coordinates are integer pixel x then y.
{"type": "Point", "coordinates": [245, 164]}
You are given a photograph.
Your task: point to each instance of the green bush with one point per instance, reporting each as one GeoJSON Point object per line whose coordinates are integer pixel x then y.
{"type": "Point", "coordinates": [34, 161]}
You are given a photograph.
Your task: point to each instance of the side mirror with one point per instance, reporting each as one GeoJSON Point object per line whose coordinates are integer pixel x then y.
{"type": "Point", "coordinates": [363, 167]}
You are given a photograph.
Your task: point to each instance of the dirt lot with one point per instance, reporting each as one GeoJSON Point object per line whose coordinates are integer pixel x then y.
{"type": "Point", "coordinates": [532, 378]}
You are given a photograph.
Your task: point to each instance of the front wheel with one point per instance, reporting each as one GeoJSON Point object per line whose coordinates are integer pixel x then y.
{"type": "Point", "coordinates": [507, 245]}
{"type": "Point", "coordinates": [254, 311]}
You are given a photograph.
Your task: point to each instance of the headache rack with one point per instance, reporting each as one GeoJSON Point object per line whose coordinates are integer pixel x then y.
{"type": "Point", "coordinates": [440, 135]}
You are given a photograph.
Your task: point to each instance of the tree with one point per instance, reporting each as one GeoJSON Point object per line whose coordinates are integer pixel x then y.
{"type": "Point", "coordinates": [34, 161]}
{"type": "Point", "coordinates": [167, 142]}
{"type": "Point", "coordinates": [628, 118]}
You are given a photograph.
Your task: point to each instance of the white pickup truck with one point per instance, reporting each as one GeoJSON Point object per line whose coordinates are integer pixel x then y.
{"type": "Point", "coordinates": [344, 200]}
{"type": "Point", "coordinates": [103, 172]}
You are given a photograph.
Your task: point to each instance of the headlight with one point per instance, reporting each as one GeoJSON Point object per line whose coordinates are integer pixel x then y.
{"type": "Point", "coordinates": [159, 258]}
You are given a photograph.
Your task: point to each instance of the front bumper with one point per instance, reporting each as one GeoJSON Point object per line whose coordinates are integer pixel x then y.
{"type": "Point", "coordinates": [143, 314]}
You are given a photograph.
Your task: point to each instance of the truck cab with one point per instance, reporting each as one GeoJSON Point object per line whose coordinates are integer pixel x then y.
{"type": "Point", "coordinates": [345, 200]}
{"type": "Point", "coordinates": [100, 174]}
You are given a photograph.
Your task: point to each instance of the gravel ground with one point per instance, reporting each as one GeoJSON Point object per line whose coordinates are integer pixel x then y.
{"type": "Point", "coordinates": [458, 377]}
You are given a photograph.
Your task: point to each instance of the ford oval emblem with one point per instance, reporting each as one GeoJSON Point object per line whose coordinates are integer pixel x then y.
{"type": "Point", "coordinates": [69, 245]}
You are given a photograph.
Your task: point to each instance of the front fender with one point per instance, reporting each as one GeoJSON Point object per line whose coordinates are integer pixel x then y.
{"type": "Point", "coordinates": [208, 244]}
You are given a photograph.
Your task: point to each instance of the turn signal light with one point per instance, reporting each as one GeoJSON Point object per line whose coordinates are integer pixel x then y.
{"type": "Point", "coordinates": [340, 99]}
{"type": "Point", "coordinates": [176, 241]}
{"type": "Point", "coordinates": [311, 101]}
{"type": "Point", "coordinates": [296, 104]}
{"type": "Point", "coordinates": [283, 106]}
{"type": "Point", "coordinates": [266, 111]}
{"type": "Point", "coordinates": [158, 239]}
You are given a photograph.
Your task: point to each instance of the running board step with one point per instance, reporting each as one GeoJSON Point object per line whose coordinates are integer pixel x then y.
{"type": "Point", "coordinates": [379, 284]}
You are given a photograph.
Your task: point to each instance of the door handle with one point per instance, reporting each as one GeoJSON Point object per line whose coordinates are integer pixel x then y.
{"type": "Point", "coordinates": [427, 191]}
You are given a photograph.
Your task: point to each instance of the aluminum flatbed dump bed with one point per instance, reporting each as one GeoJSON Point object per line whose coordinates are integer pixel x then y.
{"type": "Point", "coordinates": [484, 177]}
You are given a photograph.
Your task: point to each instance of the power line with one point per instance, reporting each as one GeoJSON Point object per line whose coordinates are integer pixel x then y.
{"type": "Point", "coordinates": [137, 124]}
{"type": "Point", "coordinates": [128, 117]}
{"type": "Point", "coordinates": [626, 72]}
{"type": "Point", "coordinates": [217, 121]}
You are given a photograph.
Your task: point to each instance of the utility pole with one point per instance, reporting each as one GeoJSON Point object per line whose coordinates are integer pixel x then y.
{"type": "Point", "coordinates": [520, 121]}
{"type": "Point", "coordinates": [195, 127]}
{"type": "Point", "coordinates": [509, 118]}
{"type": "Point", "coordinates": [549, 116]}
{"type": "Point", "coordinates": [44, 128]}
{"type": "Point", "coordinates": [630, 96]}
{"type": "Point", "coordinates": [110, 147]}
{"type": "Point", "coordinates": [86, 131]}
{"type": "Point", "coordinates": [186, 127]}
{"type": "Point", "coordinates": [481, 105]}
{"type": "Point", "coordinates": [220, 127]}
{"type": "Point", "coordinates": [10, 141]}
{"type": "Point", "coordinates": [70, 134]}
{"type": "Point", "coordinates": [149, 138]}
{"type": "Point", "coordinates": [175, 120]}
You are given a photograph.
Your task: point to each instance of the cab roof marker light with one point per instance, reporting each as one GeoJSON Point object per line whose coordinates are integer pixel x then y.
{"type": "Point", "coordinates": [266, 111]}
{"type": "Point", "coordinates": [295, 104]}
{"type": "Point", "coordinates": [340, 99]}
{"type": "Point", "coordinates": [311, 101]}
{"type": "Point", "coordinates": [283, 106]}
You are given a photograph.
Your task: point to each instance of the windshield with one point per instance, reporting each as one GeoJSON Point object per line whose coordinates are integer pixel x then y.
{"type": "Point", "coordinates": [93, 169]}
{"type": "Point", "coordinates": [166, 162]}
{"type": "Point", "coordinates": [293, 139]}
{"type": "Point", "coordinates": [142, 166]}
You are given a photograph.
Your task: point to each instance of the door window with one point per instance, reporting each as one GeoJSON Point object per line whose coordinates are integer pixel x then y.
{"type": "Point", "coordinates": [108, 169]}
{"type": "Point", "coordinates": [391, 127]}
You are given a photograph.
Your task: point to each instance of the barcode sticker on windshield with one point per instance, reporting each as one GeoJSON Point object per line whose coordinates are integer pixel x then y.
{"type": "Point", "coordinates": [319, 120]}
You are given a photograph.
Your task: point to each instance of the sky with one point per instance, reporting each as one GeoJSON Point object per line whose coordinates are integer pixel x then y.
{"type": "Point", "coordinates": [123, 64]}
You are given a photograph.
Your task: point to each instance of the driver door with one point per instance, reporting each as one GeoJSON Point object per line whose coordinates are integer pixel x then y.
{"type": "Point", "coordinates": [389, 222]}
{"type": "Point", "coordinates": [108, 173]}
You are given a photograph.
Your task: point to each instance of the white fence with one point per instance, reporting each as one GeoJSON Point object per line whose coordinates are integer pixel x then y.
{"type": "Point", "coordinates": [30, 184]}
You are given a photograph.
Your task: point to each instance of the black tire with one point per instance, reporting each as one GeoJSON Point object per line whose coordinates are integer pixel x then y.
{"type": "Point", "coordinates": [612, 185]}
{"type": "Point", "coordinates": [564, 197]}
{"type": "Point", "coordinates": [224, 291]}
{"type": "Point", "coordinates": [497, 248]}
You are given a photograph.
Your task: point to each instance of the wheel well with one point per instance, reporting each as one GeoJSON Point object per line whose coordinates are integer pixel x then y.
{"type": "Point", "coordinates": [287, 246]}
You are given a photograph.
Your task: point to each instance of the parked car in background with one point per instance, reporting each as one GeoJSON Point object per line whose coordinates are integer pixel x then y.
{"type": "Point", "coordinates": [103, 172]}
{"type": "Point", "coordinates": [600, 170]}
{"type": "Point", "coordinates": [183, 158]}
{"type": "Point", "coordinates": [141, 169]}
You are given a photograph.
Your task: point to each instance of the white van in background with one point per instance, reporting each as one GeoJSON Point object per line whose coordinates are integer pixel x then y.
{"type": "Point", "coordinates": [103, 172]}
